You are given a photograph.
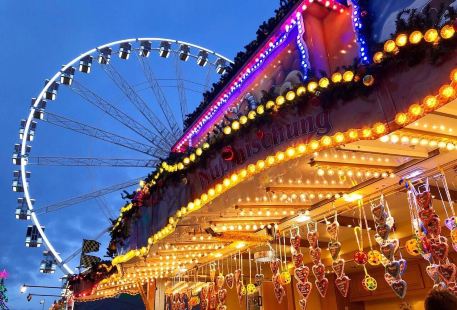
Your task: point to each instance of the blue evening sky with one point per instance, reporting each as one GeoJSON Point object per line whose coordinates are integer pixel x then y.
{"type": "Point", "coordinates": [37, 38]}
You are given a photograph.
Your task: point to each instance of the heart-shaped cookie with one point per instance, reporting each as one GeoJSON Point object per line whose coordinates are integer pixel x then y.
{"type": "Point", "coordinates": [229, 280]}
{"type": "Point", "coordinates": [389, 248]}
{"type": "Point", "coordinates": [447, 272]}
{"type": "Point", "coordinates": [304, 288]}
{"type": "Point", "coordinates": [342, 284]}
{"type": "Point", "coordinates": [221, 295]}
{"type": "Point", "coordinates": [389, 279]}
{"type": "Point", "coordinates": [313, 237]}
{"type": "Point", "coordinates": [393, 268]}
{"type": "Point", "coordinates": [319, 271]}
{"type": "Point", "coordinates": [302, 303]}
{"type": "Point", "coordinates": [432, 272]}
{"type": "Point", "coordinates": [383, 231]}
{"type": "Point", "coordinates": [433, 226]}
{"type": "Point", "coordinates": [204, 292]}
{"type": "Point", "coordinates": [220, 279]}
{"type": "Point", "coordinates": [338, 267]}
{"type": "Point", "coordinates": [399, 287]}
{"type": "Point", "coordinates": [297, 258]}
{"type": "Point", "coordinates": [439, 251]}
{"type": "Point", "coordinates": [258, 279]}
{"type": "Point", "coordinates": [403, 265]}
{"type": "Point", "coordinates": [332, 229]}
{"type": "Point", "coordinates": [424, 200]}
{"type": "Point", "coordinates": [426, 215]}
{"type": "Point", "coordinates": [315, 254]}
{"type": "Point", "coordinates": [322, 286]}
{"type": "Point", "coordinates": [378, 210]}
{"type": "Point", "coordinates": [295, 242]}
{"type": "Point", "coordinates": [204, 304]}
{"type": "Point", "coordinates": [334, 248]}
{"type": "Point", "coordinates": [274, 265]}
{"type": "Point", "coordinates": [279, 293]}
{"type": "Point", "coordinates": [451, 222]}
{"type": "Point", "coordinates": [301, 273]}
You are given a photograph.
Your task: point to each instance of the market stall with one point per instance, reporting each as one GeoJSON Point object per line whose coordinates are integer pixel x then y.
{"type": "Point", "coordinates": [305, 179]}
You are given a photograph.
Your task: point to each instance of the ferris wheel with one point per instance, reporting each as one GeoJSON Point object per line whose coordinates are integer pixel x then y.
{"type": "Point", "coordinates": [93, 118]}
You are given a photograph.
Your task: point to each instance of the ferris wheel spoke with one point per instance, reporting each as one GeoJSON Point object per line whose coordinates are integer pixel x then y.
{"type": "Point", "coordinates": [181, 88]}
{"type": "Point", "coordinates": [89, 196]}
{"type": "Point", "coordinates": [208, 79]}
{"type": "Point", "coordinates": [159, 96]}
{"type": "Point", "coordinates": [91, 162]}
{"type": "Point", "coordinates": [102, 135]}
{"type": "Point", "coordinates": [139, 103]}
{"type": "Point", "coordinates": [78, 251]}
{"type": "Point", "coordinates": [115, 113]}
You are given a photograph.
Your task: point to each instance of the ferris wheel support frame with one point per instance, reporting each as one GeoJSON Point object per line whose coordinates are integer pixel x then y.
{"type": "Point", "coordinates": [60, 262]}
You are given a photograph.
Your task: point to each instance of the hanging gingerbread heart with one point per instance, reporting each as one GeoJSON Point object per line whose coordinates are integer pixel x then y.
{"type": "Point", "coordinates": [332, 229]}
{"type": "Point", "coordinates": [220, 279]}
{"type": "Point", "coordinates": [399, 287]}
{"type": "Point", "coordinates": [383, 231]}
{"type": "Point", "coordinates": [322, 286]}
{"type": "Point", "coordinates": [389, 248]}
{"type": "Point", "coordinates": [378, 211]}
{"type": "Point", "coordinates": [426, 215]}
{"type": "Point", "coordinates": [393, 268]}
{"type": "Point", "coordinates": [295, 242]}
{"type": "Point", "coordinates": [204, 304]}
{"type": "Point", "coordinates": [313, 238]}
{"type": "Point", "coordinates": [439, 251]}
{"type": "Point", "coordinates": [334, 248]}
{"type": "Point", "coordinates": [433, 227]}
{"type": "Point", "coordinates": [302, 303]}
{"type": "Point", "coordinates": [304, 288]}
{"type": "Point", "coordinates": [229, 280]}
{"type": "Point", "coordinates": [403, 265]}
{"type": "Point", "coordinates": [338, 267]}
{"type": "Point", "coordinates": [319, 271]}
{"type": "Point", "coordinates": [258, 279]}
{"type": "Point", "coordinates": [212, 274]}
{"type": "Point", "coordinates": [221, 295]}
{"type": "Point", "coordinates": [274, 265]}
{"type": "Point", "coordinates": [315, 254]}
{"type": "Point", "coordinates": [342, 284]}
{"type": "Point", "coordinates": [447, 272]}
{"type": "Point", "coordinates": [424, 200]}
{"type": "Point", "coordinates": [238, 275]}
{"type": "Point", "coordinates": [432, 272]}
{"type": "Point", "coordinates": [389, 279]}
{"type": "Point", "coordinates": [297, 258]}
{"type": "Point", "coordinates": [279, 293]}
{"type": "Point", "coordinates": [301, 273]}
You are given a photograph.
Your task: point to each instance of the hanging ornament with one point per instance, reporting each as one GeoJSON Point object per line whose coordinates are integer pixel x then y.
{"type": "Point", "coordinates": [318, 268]}
{"type": "Point", "coordinates": [212, 272]}
{"type": "Point", "coordinates": [360, 257]}
{"type": "Point", "coordinates": [229, 277]}
{"type": "Point", "coordinates": [275, 266]}
{"type": "Point", "coordinates": [301, 272]}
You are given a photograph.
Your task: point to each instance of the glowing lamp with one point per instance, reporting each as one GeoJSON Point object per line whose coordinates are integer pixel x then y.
{"type": "Point", "coordinates": [415, 110]}
{"type": "Point", "coordinates": [226, 182]}
{"type": "Point", "coordinates": [280, 156]}
{"type": "Point", "coordinates": [211, 192]}
{"type": "Point", "coordinates": [290, 152]}
{"type": "Point", "coordinates": [324, 82]}
{"type": "Point", "coordinates": [312, 86]}
{"type": "Point", "coordinates": [251, 168]}
{"type": "Point", "coordinates": [389, 46]}
{"type": "Point", "coordinates": [415, 37]}
{"type": "Point", "coordinates": [314, 145]}
{"type": "Point", "coordinates": [270, 160]}
{"type": "Point", "coordinates": [401, 118]}
{"type": "Point", "coordinates": [280, 100]}
{"type": "Point", "coordinates": [339, 137]}
{"type": "Point", "coordinates": [243, 120]}
{"type": "Point", "coordinates": [352, 197]}
{"type": "Point", "coordinates": [186, 160]}
{"type": "Point", "coordinates": [301, 91]}
{"type": "Point", "coordinates": [380, 128]}
{"type": "Point", "coordinates": [290, 95]}
{"type": "Point", "coordinates": [218, 188]}
{"type": "Point", "coordinates": [260, 164]}
{"type": "Point", "coordinates": [368, 80]}
{"type": "Point", "coordinates": [377, 57]}
{"type": "Point", "coordinates": [180, 166]}
{"type": "Point", "coordinates": [337, 77]}
{"type": "Point", "coordinates": [205, 145]}
{"type": "Point", "coordinates": [251, 114]}
{"type": "Point", "coordinates": [260, 109]}
{"type": "Point", "coordinates": [227, 130]}
{"type": "Point", "coordinates": [454, 75]}
{"type": "Point", "coordinates": [447, 32]}
{"type": "Point", "coordinates": [190, 206]}
{"type": "Point", "coordinates": [326, 140]}
{"type": "Point", "coordinates": [243, 173]}
{"type": "Point", "coordinates": [401, 39]}
{"type": "Point", "coordinates": [204, 197]}
{"type": "Point", "coordinates": [430, 102]}
{"type": "Point", "coordinates": [236, 125]}
{"type": "Point", "coordinates": [447, 91]}
{"type": "Point", "coordinates": [431, 35]}
{"type": "Point", "coordinates": [269, 104]}
{"type": "Point", "coordinates": [301, 148]}
{"type": "Point", "coordinates": [353, 134]}
{"type": "Point", "coordinates": [348, 76]}
{"type": "Point", "coordinates": [366, 132]}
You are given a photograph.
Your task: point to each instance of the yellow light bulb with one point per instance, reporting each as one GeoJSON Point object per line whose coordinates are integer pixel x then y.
{"type": "Point", "coordinates": [260, 164]}
{"type": "Point", "coordinates": [366, 132]}
{"type": "Point", "coordinates": [401, 118]}
{"type": "Point", "coordinates": [269, 104]}
{"type": "Point", "coordinates": [326, 140]}
{"type": "Point", "coordinates": [415, 37]}
{"type": "Point", "coordinates": [280, 100]}
{"type": "Point", "coordinates": [192, 157]}
{"type": "Point", "coordinates": [260, 109]}
{"type": "Point", "coordinates": [431, 35]}
{"type": "Point", "coordinates": [227, 130]}
{"type": "Point", "coordinates": [243, 120]}
{"type": "Point", "coordinates": [280, 156]}
{"type": "Point", "coordinates": [270, 160]}
{"type": "Point", "coordinates": [180, 166]}
{"type": "Point", "coordinates": [234, 178]}
{"type": "Point", "coordinates": [380, 128]}
{"type": "Point", "coordinates": [186, 161]}
{"type": "Point", "coordinates": [353, 134]}
{"type": "Point", "coordinates": [447, 91]}
{"type": "Point", "coordinates": [290, 152]}
{"type": "Point", "coordinates": [211, 192]}
{"type": "Point", "coordinates": [430, 102]}
{"type": "Point", "coordinates": [243, 173]}
{"type": "Point", "coordinates": [290, 95]}
{"type": "Point", "coordinates": [390, 46]}
{"type": "Point", "coordinates": [301, 91]}
{"type": "Point", "coordinates": [301, 148]}
{"type": "Point", "coordinates": [454, 75]}
{"type": "Point", "coordinates": [226, 182]}
{"type": "Point", "coordinates": [447, 32]}
{"type": "Point", "coordinates": [401, 39]}
{"type": "Point", "coordinates": [312, 86]}
{"type": "Point", "coordinates": [337, 77]}
{"type": "Point", "coordinates": [251, 114]}
{"type": "Point", "coordinates": [314, 145]}
{"type": "Point", "coordinates": [205, 145]}
{"type": "Point", "coordinates": [236, 125]}
{"type": "Point", "coordinates": [339, 137]}
{"type": "Point", "coordinates": [324, 82]}
{"type": "Point", "coordinates": [348, 76]}
{"type": "Point", "coordinates": [378, 57]}
{"type": "Point", "coordinates": [251, 168]}
{"type": "Point", "coordinates": [415, 109]}
{"type": "Point", "coordinates": [199, 151]}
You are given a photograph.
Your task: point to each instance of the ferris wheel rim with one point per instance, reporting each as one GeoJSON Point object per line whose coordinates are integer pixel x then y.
{"type": "Point", "coordinates": [23, 163]}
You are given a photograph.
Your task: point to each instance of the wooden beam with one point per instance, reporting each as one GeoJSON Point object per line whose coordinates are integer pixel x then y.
{"type": "Point", "coordinates": [323, 163]}
{"type": "Point", "coordinates": [429, 134]}
{"type": "Point", "coordinates": [272, 206]}
{"type": "Point", "coordinates": [293, 188]}
{"type": "Point", "coordinates": [377, 147]}
{"type": "Point", "coordinates": [442, 114]}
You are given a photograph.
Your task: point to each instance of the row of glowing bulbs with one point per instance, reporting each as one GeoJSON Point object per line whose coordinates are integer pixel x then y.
{"type": "Point", "coordinates": [430, 36]}
{"type": "Point", "coordinates": [253, 227]}
{"type": "Point", "coordinates": [404, 139]}
{"type": "Point", "coordinates": [350, 173]}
